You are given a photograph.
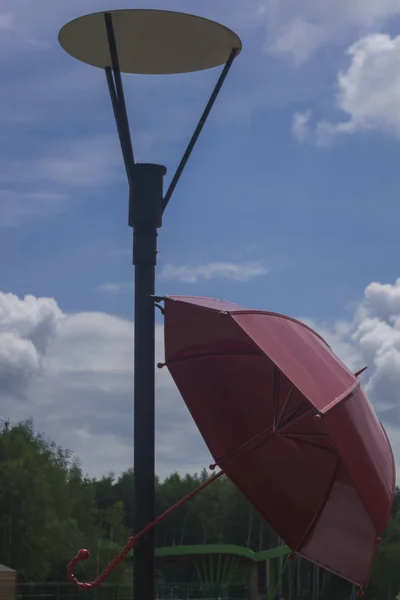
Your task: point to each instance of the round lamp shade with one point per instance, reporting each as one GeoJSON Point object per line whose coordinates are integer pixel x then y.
{"type": "Point", "coordinates": [150, 41]}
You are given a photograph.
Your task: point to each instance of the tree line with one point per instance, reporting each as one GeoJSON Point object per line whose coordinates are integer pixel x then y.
{"type": "Point", "coordinates": [49, 509]}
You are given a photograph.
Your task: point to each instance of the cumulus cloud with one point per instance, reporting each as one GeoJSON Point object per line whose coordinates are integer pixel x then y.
{"type": "Point", "coordinates": [377, 334]}
{"type": "Point", "coordinates": [73, 373]}
{"type": "Point", "coordinates": [26, 329]}
{"type": "Point", "coordinates": [372, 339]}
{"type": "Point", "coordinates": [213, 270]}
{"type": "Point", "coordinates": [339, 337]}
{"type": "Point", "coordinates": [298, 29]}
{"type": "Point", "coordinates": [300, 125]}
{"type": "Point", "coordinates": [115, 287]}
{"type": "Point", "coordinates": [369, 91]}
{"type": "Point", "coordinates": [298, 38]}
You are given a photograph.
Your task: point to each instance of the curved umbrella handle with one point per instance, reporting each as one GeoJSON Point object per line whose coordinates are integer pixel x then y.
{"type": "Point", "coordinates": [84, 555]}
{"type": "Point", "coordinates": [132, 542]}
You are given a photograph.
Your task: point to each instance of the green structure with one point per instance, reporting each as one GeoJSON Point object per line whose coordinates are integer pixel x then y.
{"type": "Point", "coordinates": [210, 571]}
{"type": "Point", "coordinates": [219, 567]}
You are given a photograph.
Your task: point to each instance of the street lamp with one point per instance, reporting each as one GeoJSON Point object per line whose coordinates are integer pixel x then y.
{"type": "Point", "coordinates": [143, 41]}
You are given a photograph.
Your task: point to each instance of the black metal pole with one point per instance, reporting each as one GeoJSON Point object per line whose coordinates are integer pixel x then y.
{"type": "Point", "coordinates": [199, 127]}
{"type": "Point", "coordinates": [124, 139]}
{"type": "Point", "coordinates": [119, 88]}
{"type": "Point", "coordinates": [146, 217]}
{"type": "Point", "coordinates": [146, 207]}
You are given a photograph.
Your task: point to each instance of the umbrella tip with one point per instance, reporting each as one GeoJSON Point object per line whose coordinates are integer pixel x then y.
{"type": "Point", "coordinates": [83, 554]}
{"type": "Point", "coordinates": [361, 593]}
{"type": "Point", "coordinates": [360, 371]}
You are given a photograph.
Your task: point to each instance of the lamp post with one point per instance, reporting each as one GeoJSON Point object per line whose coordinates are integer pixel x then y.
{"type": "Point", "coordinates": [143, 41]}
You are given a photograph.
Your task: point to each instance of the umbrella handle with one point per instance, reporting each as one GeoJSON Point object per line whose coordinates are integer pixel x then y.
{"type": "Point", "coordinates": [132, 542]}
{"type": "Point", "coordinates": [85, 554]}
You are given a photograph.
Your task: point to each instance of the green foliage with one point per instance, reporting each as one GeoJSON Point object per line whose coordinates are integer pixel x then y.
{"type": "Point", "coordinates": [49, 510]}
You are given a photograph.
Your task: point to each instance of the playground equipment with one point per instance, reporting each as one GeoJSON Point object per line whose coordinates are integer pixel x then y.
{"type": "Point", "coordinates": [216, 566]}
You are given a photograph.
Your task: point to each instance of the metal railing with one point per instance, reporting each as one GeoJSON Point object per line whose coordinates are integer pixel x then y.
{"type": "Point", "coordinates": [178, 591]}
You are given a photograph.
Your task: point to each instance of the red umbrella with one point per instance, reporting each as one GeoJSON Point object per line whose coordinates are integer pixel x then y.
{"type": "Point", "coordinates": [290, 426]}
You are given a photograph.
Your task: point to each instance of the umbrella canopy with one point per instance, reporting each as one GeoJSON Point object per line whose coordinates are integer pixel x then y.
{"type": "Point", "coordinates": [290, 426]}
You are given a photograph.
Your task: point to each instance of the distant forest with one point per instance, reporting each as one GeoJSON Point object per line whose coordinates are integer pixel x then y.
{"type": "Point", "coordinates": [49, 510]}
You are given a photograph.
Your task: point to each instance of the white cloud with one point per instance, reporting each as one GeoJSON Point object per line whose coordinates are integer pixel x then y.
{"type": "Point", "coordinates": [73, 374]}
{"type": "Point", "coordinates": [26, 329]}
{"type": "Point", "coordinates": [299, 38]}
{"type": "Point", "coordinates": [298, 29]}
{"type": "Point", "coordinates": [383, 300]}
{"type": "Point", "coordinates": [292, 28]}
{"type": "Point", "coordinates": [378, 335]}
{"type": "Point", "coordinates": [44, 184]}
{"type": "Point", "coordinates": [372, 339]}
{"type": "Point", "coordinates": [214, 270]}
{"type": "Point", "coordinates": [339, 337]}
{"type": "Point", "coordinates": [369, 91]}
{"type": "Point", "coordinates": [89, 161]}
{"type": "Point", "coordinates": [300, 125]}
{"type": "Point", "coordinates": [115, 288]}
{"type": "Point", "coordinates": [17, 207]}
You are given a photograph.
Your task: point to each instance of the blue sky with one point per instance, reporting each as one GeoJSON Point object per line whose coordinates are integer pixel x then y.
{"type": "Point", "coordinates": [250, 194]}
{"type": "Point", "coordinates": [289, 202]}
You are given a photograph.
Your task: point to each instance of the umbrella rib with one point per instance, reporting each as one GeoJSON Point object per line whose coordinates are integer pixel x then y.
{"type": "Point", "coordinates": [285, 405]}
{"type": "Point", "coordinates": [308, 433]}
{"type": "Point", "coordinates": [319, 512]}
{"type": "Point", "coordinates": [254, 438]}
{"type": "Point", "coordinates": [309, 443]}
{"type": "Point", "coordinates": [295, 415]}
